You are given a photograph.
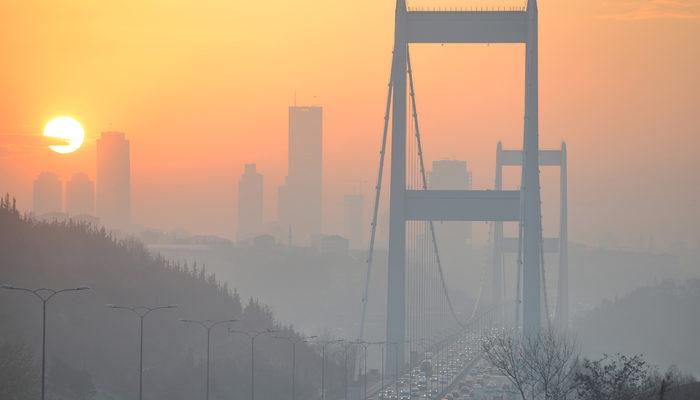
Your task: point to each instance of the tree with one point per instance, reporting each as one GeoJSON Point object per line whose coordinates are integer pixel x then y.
{"type": "Point", "coordinates": [103, 345]}
{"type": "Point", "coordinates": [669, 385]}
{"type": "Point", "coordinates": [540, 366]}
{"type": "Point", "coordinates": [18, 376]}
{"type": "Point", "coordinates": [617, 377]}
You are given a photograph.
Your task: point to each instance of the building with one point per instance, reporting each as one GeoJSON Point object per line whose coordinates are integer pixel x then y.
{"type": "Point", "coordinates": [113, 194]}
{"type": "Point", "coordinates": [250, 204]}
{"type": "Point", "coordinates": [455, 237]}
{"type": "Point", "coordinates": [353, 220]}
{"type": "Point", "coordinates": [300, 198]}
{"type": "Point", "coordinates": [450, 175]}
{"type": "Point", "coordinates": [80, 195]}
{"type": "Point", "coordinates": [333, 245]}
{"type": "Point", "coordinates": [48, 194]}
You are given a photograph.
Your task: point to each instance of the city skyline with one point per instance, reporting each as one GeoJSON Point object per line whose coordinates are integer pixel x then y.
{"type": "Point", "coordinates": [579, 89]}
{"type": "Point", "coordinates": [402, 200]}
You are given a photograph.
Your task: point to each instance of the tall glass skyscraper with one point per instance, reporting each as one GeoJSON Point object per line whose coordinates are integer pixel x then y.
{"type": "Point", "coordinates": [300, 198]}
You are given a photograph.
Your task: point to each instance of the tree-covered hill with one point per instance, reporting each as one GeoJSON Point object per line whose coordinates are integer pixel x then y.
{"type": "Point", "coordinates": [91, 345]}
{"type": "Point", "coordinates": [660, 321]}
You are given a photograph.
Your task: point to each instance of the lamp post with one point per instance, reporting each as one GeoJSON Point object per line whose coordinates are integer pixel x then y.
{"type": "Point", "coordinates": [141, 312]}
{"type": "Point", "coordinates": [364, 366]}
{"type": "Point", "coordinates": [207, 325]}
{"type": "Point", "coordinates": [345, 368]}
{"type": "Point", "coordinates": [252, 335]}
{"type": "Point", "coordinates": [381, 346]}
{"type": "Point", "coordinates": [365, 345]}
{"type": "Point", "coordinates": [294, 343]}
{"type": "Point", "coordinates": [323, 365]}
{"type": "Point", "coordinates": [43, 294]}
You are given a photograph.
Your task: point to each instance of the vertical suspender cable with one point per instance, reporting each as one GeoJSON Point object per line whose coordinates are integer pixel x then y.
{"type": "Point", "coordinates": [544, 279]}
{"type": "Point", "coordinates": [425, 187]}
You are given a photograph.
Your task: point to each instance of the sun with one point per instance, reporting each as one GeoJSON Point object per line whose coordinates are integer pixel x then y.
{"type": "Point", "coordinates": [67, 129]}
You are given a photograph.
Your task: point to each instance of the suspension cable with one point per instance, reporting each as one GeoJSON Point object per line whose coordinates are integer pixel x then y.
{"type": "Point", "coordinates": [377, 198]}
{"type": "Point", "coordinates": [425, 187]}
{"type": "Point", "coordinates": [480, 296]}
{"type": "Point", "coordinates": [542, 270]}
{"type": "Point", "coordinates": [518, 279]}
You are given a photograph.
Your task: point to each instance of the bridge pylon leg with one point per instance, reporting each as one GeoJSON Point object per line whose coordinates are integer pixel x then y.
{"type": "Point", "coordinates": [497, 250]}
{"type": "Point", "coordinates": [562, 313]}
{"type": "Point", "coordinates": [396, 293]}
{"type": "Point", "coordinates": [532, 213]}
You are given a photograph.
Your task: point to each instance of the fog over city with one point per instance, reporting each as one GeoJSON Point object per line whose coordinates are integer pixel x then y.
{"type": "Point", "coordinates": [449, 200]}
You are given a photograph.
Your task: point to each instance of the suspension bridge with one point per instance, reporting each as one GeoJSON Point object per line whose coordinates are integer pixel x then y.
{"type": "Point", "coordinates": [420, 309]}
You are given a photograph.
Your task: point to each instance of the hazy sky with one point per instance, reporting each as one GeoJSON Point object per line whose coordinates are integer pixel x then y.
{"type": "Point", "coordinates": [202, 87]}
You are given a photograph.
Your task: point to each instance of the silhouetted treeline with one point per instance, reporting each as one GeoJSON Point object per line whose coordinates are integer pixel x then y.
{"type": "Point", "coordinates": [93, 350]}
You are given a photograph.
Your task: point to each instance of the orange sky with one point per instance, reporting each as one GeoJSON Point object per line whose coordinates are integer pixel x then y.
{"type": "Point", "coordinates": [201, 87]}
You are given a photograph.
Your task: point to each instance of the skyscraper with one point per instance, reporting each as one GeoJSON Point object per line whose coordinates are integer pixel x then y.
{"type": "Point", "coordinates": [250, 203]}
{"type": "Point", "coordinates": [48, 194]}
{"type": "Point", "coordinates": [113, 180]}
{"type": "Point", "coordinates": [454, 236]}
{"type": "Point", "coordinates": [80, 195]}
{"type": "Point", "coordinates": [450, 175]}
{"type": "Point", "coordinates": [300, 198]}
{"type": "Point", "coordinates": [353, 220]}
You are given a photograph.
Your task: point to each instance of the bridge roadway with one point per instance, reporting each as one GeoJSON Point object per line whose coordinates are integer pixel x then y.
{"type": "Point", "coordinates": [448, 370]}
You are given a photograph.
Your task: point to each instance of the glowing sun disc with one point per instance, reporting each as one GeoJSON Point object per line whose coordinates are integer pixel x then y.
{"type": "Point", "coordinates": [67, 129]}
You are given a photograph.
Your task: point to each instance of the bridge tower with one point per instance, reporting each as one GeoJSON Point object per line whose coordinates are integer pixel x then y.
{"type": "Point", "coordinates": [509, 245]}
{"type": "Point", "coordinates": [419, 26]}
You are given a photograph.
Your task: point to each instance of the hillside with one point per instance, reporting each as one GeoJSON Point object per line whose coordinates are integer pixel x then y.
{"type": "Point", "coordinates": [659, 321]}
{"type": "Point", "coordinates": [102, 343]}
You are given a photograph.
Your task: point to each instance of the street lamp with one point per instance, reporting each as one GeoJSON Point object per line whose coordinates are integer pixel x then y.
{"type": "Point", "coordinates": [323, 365]}
{"type": "Point", "coordinates": [364, 350]}
{"type": "Point", "coordinates": [381, 347]}
{"type": "Point", "coordinates": [252, 335]}
{"type": "Point", "coordinates": [345, 367]}
{"type": "Point", "coordinates": [141, 311]}
{"type": "Point", "coordinates": [294, 358]}
{"type": "Point", "coordinates": [365, 345]}
{"type": "Point", "coordinates": [43, 294]}
{"type": "Point", "coordinates": [207, 325]}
